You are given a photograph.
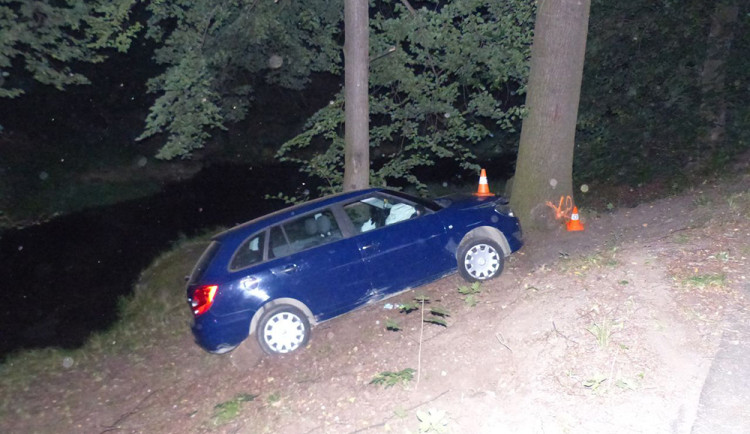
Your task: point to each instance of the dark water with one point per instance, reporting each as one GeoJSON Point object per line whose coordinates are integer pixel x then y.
{"type": "Point", "coordinates": [61, 280]}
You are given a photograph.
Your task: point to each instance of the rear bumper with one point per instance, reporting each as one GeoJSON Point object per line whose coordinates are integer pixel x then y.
{"type": "Point", "coordinates": [221, 334]}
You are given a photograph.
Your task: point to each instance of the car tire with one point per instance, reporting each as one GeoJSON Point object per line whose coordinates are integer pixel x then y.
{"type": "Point", "coordinates": [480, 259]}
{"type": "Point", "coordinates": [283, 329]}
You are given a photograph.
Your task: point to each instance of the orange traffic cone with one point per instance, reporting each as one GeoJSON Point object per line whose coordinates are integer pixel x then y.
{"type": "Point", "coordinates": [483, 189]}
{"type": "Point", "coordinates": [574, 224]}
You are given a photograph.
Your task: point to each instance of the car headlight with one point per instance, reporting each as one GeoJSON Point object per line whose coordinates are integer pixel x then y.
{"type": "Point", "coordinates": [504, 208]}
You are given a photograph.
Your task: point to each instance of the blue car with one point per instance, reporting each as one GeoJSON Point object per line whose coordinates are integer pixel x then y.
{"type": "Point", "coordinates": [277, 275]}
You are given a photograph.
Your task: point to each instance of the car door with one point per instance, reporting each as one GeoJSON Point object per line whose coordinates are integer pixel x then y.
{"type": "Point", "coordinates": [402, 244]}
{"type": "Point", "coordinates": [310, 260]}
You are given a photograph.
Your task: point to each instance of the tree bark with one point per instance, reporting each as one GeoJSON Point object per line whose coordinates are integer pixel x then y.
{"type": "Point", "coordinates": [356, 70]}
{"type": "Point", "coordinates": [714, 105]}
{"type": "Point", "coordinates": [545, 157]}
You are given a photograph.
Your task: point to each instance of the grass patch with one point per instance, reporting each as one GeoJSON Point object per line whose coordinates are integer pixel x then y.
{"type": "Point", "coordinates": [702, 281]}
{"type": "Point", "coordinates": [390, 379]}
{"type": "Point", "coordinates": [740, 204]}
{"type": "Point", "coordinates": [228, 410]}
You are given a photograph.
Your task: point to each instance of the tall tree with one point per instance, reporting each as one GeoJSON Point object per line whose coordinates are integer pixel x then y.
{"type": "Point", "coordinates": [545, 156]}
{"type": "Point", "coordinates": [356, 73]}
{"type": "Point", "coordinates": [713, 73]}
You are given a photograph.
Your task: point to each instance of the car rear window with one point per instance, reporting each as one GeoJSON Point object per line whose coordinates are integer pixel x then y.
{"type": "Point", "coordinates": [249, 253]}
{"type": "Point", "coordinates": [203, 262]}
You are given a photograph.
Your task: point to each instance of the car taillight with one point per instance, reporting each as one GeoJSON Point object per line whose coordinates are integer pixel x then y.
{"type": "Point", "coordinates": [203, 298]}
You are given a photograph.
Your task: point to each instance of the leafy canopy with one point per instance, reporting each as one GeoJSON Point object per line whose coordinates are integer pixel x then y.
{"type": "Point", "coordinates": [216, 52]}
{"type": "Point", "coordinates": [442, 78]}
{"type": "Point", "coordinates": [45, 37]}
{"type": "Point", "coordinates": [641, 98]}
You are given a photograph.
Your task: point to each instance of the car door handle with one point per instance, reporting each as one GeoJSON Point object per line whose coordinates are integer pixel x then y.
{"type": "Point", "coordinates": [370, 246]}
{"type": "Point", "coordinates": [284, 269]}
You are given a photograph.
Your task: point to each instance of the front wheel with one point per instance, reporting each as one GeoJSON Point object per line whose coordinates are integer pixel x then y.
{"type": "Point", "coordinates": [481, 259]}
{"type": "Point", "coordinates": [283, 329]}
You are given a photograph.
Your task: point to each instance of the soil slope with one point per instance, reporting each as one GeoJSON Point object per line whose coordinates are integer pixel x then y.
{"type": "Point", "coordinates": [614, 329]}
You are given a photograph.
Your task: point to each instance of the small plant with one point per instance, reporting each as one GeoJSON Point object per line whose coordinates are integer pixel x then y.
{"type": "Point", "coordinates": [603, 331]}
{"type": "Point", "coordinates": [438, 313]}
{"type": "Point", "coordinates": [273, 398]}
{"type": "Point", "coordinates": [226, 411]}
{"type": "Point", "coordinates": [626, 383]}
{"type": "Point", "coordinates": [432, 421]}
{"type": "Point", "coordinates": [475, 288]}
{"type": "Point", "coordinates": [721, 256]}
{"type": "Point", "coordinates": [392, 325]}
{"type": "Point", "coordinates": [409, 307]}
{"type": "Point", "coordinates": [702, 201]}
{"type": "Point", "coordinates": [471, 293]}
{"type": "Point", "coordinates": [390, 379]}
{"type": "Point", "coordinates": [595, 382]}
{"type": "Point", "coordinates": [438, 316]}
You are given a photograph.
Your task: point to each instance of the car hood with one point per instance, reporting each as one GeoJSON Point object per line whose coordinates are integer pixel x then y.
{"type": "Point", "coordinates": [465, 201]}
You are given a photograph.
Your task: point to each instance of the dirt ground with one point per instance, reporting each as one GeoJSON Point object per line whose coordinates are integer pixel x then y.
{"type": "Point", "coordinates": [613, 329]}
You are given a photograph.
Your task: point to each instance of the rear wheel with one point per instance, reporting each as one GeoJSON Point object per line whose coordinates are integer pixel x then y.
{"type": "Point", "coordinates": [283, 329]}
{"type": "Point", "coordinates": [480, 259]}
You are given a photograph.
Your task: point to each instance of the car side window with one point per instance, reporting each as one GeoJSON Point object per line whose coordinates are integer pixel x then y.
{"type": "Point", "coordinates": [375, 212]}
{"type": "Point", "coordinates": [249, 252]}
{"type": "Point", "coordinates": [303, 233]}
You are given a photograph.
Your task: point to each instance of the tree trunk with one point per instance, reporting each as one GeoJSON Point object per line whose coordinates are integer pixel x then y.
{"type": "Point", "coordinates": [544, 167]}
{"type": "Point", "coordinates": [714, 105]}
{"type": "Point", "coordinates": [356, 69]}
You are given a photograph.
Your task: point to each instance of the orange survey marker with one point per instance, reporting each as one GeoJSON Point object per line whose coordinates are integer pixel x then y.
{"type": "Point", "coordinates": [574, 224]}
{"type": "Point", "coordinates": [562, 211]}
{"type": "Point", "coordinates": [483, 189]}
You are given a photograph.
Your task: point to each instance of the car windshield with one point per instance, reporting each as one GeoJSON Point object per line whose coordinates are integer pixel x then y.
{"type": "Point", "coordinates": [379, 210]}
{"type": "Point", "coordinates": [427, 203]}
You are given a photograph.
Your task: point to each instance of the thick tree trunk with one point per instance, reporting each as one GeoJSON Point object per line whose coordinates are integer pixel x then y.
{"type": "Point", "coordinates": [545, 157]}
{"type": "Point", "coordinates": [356, 64]}
{"type": "Point", "coordinates": [714, 105]}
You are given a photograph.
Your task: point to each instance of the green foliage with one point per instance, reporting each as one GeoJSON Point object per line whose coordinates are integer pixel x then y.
{"type": "Point", "coordinates": [48, 37]}
{"type": "Point", "coordinates": [228, 410]}
{"type": "Point", "coordinates": [408, 307]}
{"type": "Point", "coordinates": [437, 313]}
{"type": "Point", "coordinates": [432, 421]}
{"type": "Point", "coordinates": [595, 382]}
{"type": "Point", "coordinates": [392, 325]}
{"type": "Point", "coordinates": [390, 379]}
{"type": "Point", "coordinates": [641, 98]}
{"type": "Point", "coordinates": [471, 293]}
{"type": "Point", "coordinates": [217, 52]}
{"type": "Point", "coordinates": [475, 288]}
{"type": "Point", "coordinates": [450, 75]}
{"type": "Point", "coordinates": [603, 330]}
{"type": "Point", "coordinates": [702, 281]}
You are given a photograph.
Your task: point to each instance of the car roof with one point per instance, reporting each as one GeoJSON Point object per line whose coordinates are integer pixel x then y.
{"type": "Point", "coordinates": [267, 220]}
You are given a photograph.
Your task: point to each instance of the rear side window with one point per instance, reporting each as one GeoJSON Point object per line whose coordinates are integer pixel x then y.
{"type": "Point", "coordinates": [249, 253]}
{"type": "Point", "coordinates": [202, 264]}
{"type": "Point", "coordinates": [303, 233]}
